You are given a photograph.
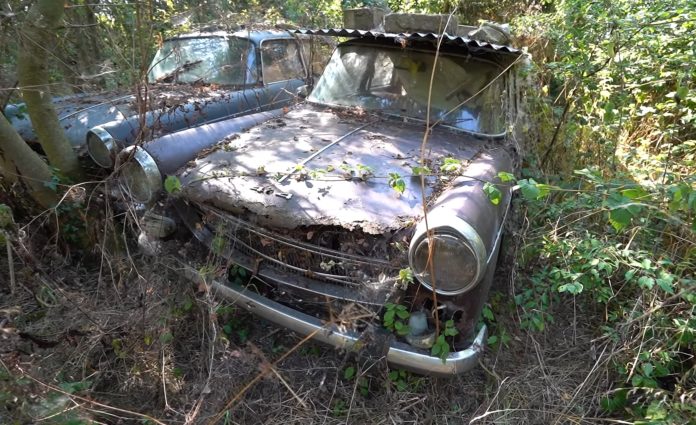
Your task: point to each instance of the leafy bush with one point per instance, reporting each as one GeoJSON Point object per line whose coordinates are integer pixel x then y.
{"type": "Point", "coordinates": [617, 236]}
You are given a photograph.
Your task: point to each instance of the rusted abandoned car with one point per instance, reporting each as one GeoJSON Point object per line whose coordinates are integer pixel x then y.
{"type": "Point", "coordinates": [193, 79]}
{"type": "Point", "coordinates": [324, 205]}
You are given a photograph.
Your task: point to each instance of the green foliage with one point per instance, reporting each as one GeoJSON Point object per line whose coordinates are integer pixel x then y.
{"type": "Point", "coordinates": [441, 348]}
{"type": "Point", "coordinates": [363, 384]}
{"type": "Point", "coordinates": [451, 165]}
{"type": "Point", "coordinates": [397, 183]}
{"type": "Point", "coordinates": [234, 323]}
{"type": "Point", "coordinates": [6, 219]}
{"type": "Point", "coordinates": [619, 265]}
{"type": "Point", "coordinates": [619, 240]}
{"type": "Point", "coordinates": [497, 334]}
{"type": "Point", "coordinates": [395, 318]}
{"type": "Point", "coordinates": [494, 194]}
{"type": "Point", "coordinates": [339, 408]}
{"type": "Point", "coordinates": [402, 380]}
{"type": "Point", "coordinates": [405, 278]}
{"type": "Point", "coordinates": [421, 171]}
{"type": "Point", "coordinates": [238, 275]}
{"type": "Point", "coordinates": [172, 184]}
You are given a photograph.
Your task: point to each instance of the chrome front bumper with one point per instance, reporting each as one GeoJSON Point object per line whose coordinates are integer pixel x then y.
{"type": "Point", "coordinates": [400, 355]}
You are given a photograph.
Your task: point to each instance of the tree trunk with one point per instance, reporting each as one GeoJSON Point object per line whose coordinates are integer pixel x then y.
{"type": "Point", "coordinates": [17, 158]}
{"type": "Point", "coordinates": [38, 33]}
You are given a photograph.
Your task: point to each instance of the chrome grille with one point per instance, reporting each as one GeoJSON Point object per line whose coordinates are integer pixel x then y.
{"type": "Point", "coordinates": [292, 255]}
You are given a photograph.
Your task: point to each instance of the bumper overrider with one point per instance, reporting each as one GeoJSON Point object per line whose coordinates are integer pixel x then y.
{"type": "Point", "coordinates": [398, 354]}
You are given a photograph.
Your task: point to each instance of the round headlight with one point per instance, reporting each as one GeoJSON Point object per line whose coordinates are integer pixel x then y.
{"type": "Point", "coordinates": [139, 175]}
{"type": "Point", "coordinates": [101, 147]}
{"type": "Point", "coordinates": [454, 256]}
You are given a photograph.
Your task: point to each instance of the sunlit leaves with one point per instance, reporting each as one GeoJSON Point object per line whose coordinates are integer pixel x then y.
{"type": "Point", "coordinates": [451, 165]}
{"type": "Point", "coordinates": [494, 194]}
{"type": "Point", "coordinates": [172, 184]}
{"type": "Point", "coordinates": [506, 177]}
{"type": "Point", "coordinates": [420, 171]}
{"type": "Point", "coordinates": [397, 183]}
{"type": "Point", "coordinates": [532, 190]}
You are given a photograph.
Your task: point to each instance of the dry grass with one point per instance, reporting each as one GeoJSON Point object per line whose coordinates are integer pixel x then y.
{"type": "Point", "coordinates": [150, 343]}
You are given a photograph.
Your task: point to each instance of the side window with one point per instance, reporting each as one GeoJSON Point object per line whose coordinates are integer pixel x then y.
{"type": "Point", "coordinates": [281, 61]}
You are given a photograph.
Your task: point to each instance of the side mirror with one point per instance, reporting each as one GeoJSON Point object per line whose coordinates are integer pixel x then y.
{"type": "Point", "coordinates": [302, 92]}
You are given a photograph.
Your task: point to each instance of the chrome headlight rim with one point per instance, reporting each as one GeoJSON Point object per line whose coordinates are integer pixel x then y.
{"type": "Point", "coordinates": [447, 224]}
{"type": "Point", "coordinates": [103, 150]}
{"type": "Point", "coordinates": [136, 156]}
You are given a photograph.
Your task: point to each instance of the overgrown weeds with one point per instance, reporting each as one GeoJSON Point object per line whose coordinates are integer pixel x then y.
{"type": "Point", "coordinates": [614, 240]}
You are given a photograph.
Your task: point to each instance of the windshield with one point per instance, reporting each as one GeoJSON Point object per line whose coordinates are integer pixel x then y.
{"type": "Point", "coordinates": [396, 80]}
{"type": "Point", "coordinates": [207, 60]}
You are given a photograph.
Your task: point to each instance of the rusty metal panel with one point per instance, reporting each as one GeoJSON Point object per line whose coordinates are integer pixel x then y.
{"type": "Point", "coordinates": [469, 44]}
{"type": "Point", "coordinates": [228, 177]}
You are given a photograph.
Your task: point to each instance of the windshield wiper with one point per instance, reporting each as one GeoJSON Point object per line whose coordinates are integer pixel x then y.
{"type": "Point", "coordinates": [172, 75]}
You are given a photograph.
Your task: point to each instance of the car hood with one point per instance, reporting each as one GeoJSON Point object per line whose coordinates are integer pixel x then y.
{"type": "Point", "coordinates": [242, 174]}
{"type": "Point", "coordinates": [79, 113]}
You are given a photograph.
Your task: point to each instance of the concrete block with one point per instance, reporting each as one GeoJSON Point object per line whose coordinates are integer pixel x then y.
{"type": "Point", "coordinates": [363, 18]}
{"type": "Point", "coordinates": [418, 22]}
{"type": "Point", "coordinates": [492, 33]}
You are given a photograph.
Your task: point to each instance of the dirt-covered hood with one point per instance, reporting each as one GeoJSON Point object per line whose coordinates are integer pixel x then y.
{"type": "Point", "coordinates": [258, 174]}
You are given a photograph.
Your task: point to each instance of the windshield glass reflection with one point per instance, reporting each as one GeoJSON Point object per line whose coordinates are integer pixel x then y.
{"type": "Point", "coordinates": [397, 81]}
{"type": "Point", "coordinates": [205, 60]}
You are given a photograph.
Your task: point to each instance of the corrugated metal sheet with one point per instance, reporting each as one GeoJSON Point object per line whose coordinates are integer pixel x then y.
{"type": "Point", "coordinates": [470, 44]}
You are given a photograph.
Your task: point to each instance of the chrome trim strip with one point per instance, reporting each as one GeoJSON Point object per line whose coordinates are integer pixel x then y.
{"type": "Point", "coordinates": [399, 354]}
{"type": "Point", "coordinates": [499, 236]}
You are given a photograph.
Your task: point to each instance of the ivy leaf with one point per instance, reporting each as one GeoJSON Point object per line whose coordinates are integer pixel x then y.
{"type": "Point", "coordinates": [389, 317]}
{"type": "Point", "coordinates": [172, 184]}
{"type": "Point", "coordinates": [646, 282]}
{"type": "Point", "coordinates": [590, 174]}
{"type": "Point", "coordinates": [506, 177]}
{"type": "Point", "coordinates": [349, 373]}
{"type": "Point", "coordinates": [620, 218]}
{"type": "Point", "coordinates": [450, 165]}
{"type": "Point", "coordinates": [494, 194]}
{"type": "Point", "coordinates": [420, 171]}
{"type": "Point", "coordinates": [530, 189]}
{"type": "Point", "coordinates": [665, 282]}
{"type": "Point", "coordinates": [648, 369]}
{"type": "Point", "coordinates": [397, 183]}
{"type": "Point", "coordinates": [635, 193]}
{"type": "Point", "coordinates": [166, 338]}
{"type": "Point", "coordinates": [682, 93]}
{"type": "Point", "coordinates": [612, 404]}
{"type": "Point", "coordinates": [574, 288]}
{"type": "Point", "coordinates": [609, 111]}
{"type": "Point", "coordinates": [401, 329]}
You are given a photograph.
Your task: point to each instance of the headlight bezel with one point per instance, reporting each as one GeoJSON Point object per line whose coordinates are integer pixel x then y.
{"type": "Point", "coordinates": [102, 149]}
{"type": "Point", "coordinates": [136, 156]}
{"type": "Point", "coordinates": [448, 225]}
